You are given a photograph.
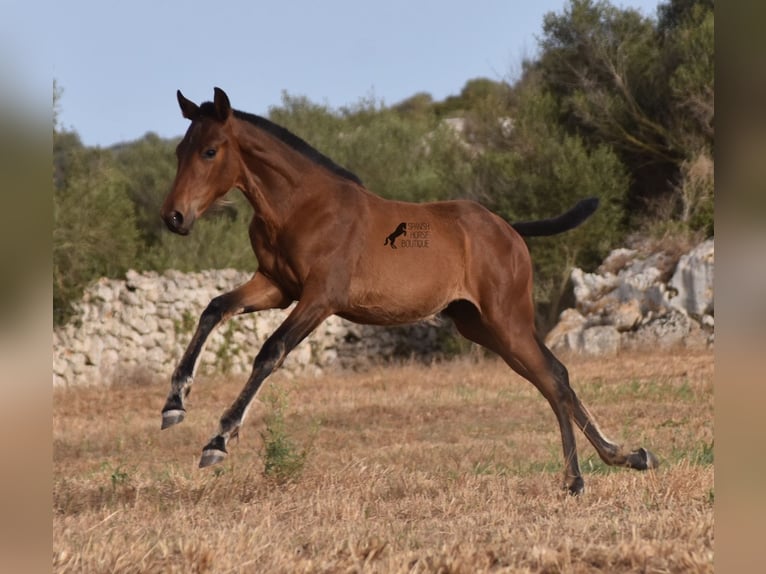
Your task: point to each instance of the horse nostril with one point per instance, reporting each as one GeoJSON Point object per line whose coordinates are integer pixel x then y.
{"type": "Point", "coordinates": [176, 219]}
{"type": "Point", "coordinates": [176, 222]}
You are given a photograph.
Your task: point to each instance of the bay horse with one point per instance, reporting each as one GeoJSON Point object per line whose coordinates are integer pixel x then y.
{"type": "Point", "coordinates": [474, 267]}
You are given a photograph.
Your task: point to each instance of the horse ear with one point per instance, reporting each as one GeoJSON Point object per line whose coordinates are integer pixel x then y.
{"type": "Point", "coordinates": [222, 105]}
{"type": "Point", "coordinates": [189, 109]}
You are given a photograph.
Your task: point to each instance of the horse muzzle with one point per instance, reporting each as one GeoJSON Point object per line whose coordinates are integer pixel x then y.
{"type": "Point", "coordinates": [177, 223]}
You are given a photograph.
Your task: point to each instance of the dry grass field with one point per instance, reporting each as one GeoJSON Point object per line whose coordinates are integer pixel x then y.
{"type": "Point", "coordinates": [454, 467]}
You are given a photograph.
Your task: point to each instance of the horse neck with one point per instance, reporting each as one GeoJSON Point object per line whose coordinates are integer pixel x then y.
{"type": "Point", "coordinates": [271, 175]}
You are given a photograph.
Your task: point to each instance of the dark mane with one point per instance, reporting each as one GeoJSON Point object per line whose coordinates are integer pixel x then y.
{"type": "Point", "coordinates": [290, 139]}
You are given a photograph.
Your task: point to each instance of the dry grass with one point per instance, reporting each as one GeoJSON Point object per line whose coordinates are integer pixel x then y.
{"type": "Point", "coordinates": [448, 468]}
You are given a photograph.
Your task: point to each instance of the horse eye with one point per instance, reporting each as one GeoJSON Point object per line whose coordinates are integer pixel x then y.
{"type": "Point", "coordinates": [209, 153]}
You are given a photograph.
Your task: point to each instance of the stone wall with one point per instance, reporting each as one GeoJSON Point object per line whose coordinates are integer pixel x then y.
{"type": "Point", "coordinates": [635, 301]}
{"type": "Point", "coordinates": [140, 326]}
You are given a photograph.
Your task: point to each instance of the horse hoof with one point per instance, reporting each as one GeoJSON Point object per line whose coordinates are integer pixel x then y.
{"type": "Point", "coordinates": [651, 461]}
{"type": "Point", "coordinates": [643, 459]}
{"type": "Point", "coordinates": [172, 417]}
{"type": "Point", "coordinates": [577, 487]}
{"type": "Point", "coordinates": [211, 456]}
{"type": "Point", "coordinates": [214, 452]}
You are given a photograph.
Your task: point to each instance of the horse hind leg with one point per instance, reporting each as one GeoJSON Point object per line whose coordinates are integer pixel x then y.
{"type": "Point", "coordinates": [522, 354]}
{"type": "Point", "coordinates": [523, 351]}
{"type": "Point", "coordinates": [610, 452]}
{"type": "Point", "coordinates": [526, 359]}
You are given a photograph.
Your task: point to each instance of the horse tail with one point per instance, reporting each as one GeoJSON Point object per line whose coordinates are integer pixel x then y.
{"type": "Point", "coordinates": [564, 222]}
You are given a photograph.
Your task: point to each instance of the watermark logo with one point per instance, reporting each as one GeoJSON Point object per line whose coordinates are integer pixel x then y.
{"type": "Point", "coordinates": [413, 235]}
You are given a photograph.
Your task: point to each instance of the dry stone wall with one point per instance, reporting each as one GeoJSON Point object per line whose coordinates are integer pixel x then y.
{"type": "Point", "coordinates": [140, 325]}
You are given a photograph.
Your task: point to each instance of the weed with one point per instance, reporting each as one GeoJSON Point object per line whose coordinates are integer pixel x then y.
{"type": "Point", "coordinates": [119, 477]}
{"type": "Point", "coordinates": [283, 458]}
{"type": "Point", "coordinates": [702, 455]}
{"type": "Point", "coordinates": [490, 467]}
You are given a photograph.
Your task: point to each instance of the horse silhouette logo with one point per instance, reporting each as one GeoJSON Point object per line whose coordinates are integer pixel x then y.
{"type": "Point", "coordinates": [401, 229]}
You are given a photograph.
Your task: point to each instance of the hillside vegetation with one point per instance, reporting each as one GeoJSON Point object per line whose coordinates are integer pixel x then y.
{"type": "Point", "coordinates": [616, 105]}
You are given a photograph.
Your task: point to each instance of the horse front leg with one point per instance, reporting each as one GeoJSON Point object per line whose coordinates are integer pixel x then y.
{"type": "Point", "coordinates": [256, 295]}
{"type": "Point", "coordinates": [298, 325]}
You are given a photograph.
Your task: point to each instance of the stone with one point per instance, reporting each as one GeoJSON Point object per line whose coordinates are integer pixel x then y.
{"type": "Point", "coordinates": [692, 282]}
{"type": "Point", "coordinates": [102, 291]}
{"type": "Point", "coordinates": [590, 286]}
{"type": "Point", "coordinates": [652, 300]}
{"type": "Point", "coordinates": [633, 285]}
{"type": "Point", "coordinates": [617, 260]}
{"type": "Point", "coordinates": [130, 298]}
{"type": "Point", "coordinates": [566, 335]}
{"type": "Point", "coordinates": [626, 316]}
{"type": "Point", "coordinates": [663, 331]}
{"type": "Point", "coordinates": [600, 340]}
{"type": "Point", "coordinates": [301, 355]}
{"type": "Point", "coordinates": [328, 357]}
{"type": "Point", "coordinates": [94, 352]}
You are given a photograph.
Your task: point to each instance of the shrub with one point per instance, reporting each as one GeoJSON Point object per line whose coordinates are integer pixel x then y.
{"type": "Point", "coordinates": [94, 229]}
{"type": "Point", "coordinates": [283, 458]}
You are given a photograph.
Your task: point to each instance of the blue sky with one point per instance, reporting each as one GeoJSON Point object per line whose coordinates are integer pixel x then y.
{"type": "Point", "coordinates": [120, 63]}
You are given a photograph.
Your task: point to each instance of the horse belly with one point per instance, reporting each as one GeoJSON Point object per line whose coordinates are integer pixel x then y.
{"type": "Point", "coordinates": [399, 298]}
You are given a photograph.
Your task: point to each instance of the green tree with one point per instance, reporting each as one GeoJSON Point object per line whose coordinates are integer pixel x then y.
{"type": "Point", "coordinates": [476, 93]}
{"type": "Point", "coordinates": [643, 88]}
{"type": "Point", "coordinates": [94, 231]}
{"type": "Point", "coordinates": [149, 166]}
{"type": "Point", "coordinates": [687, 32]}
{"type": "Point", "coordinates": [421, 104]}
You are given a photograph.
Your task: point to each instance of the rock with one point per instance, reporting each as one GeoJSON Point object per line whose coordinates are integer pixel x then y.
{"type": "Point", "coordinates": [603, 340]}
{"type": "Point", "coordinates": [692, 281]}
{"type": "Point", "coordinates": [102, 291]}
{"type": "Point", "coordinates": [328, 357]}
{"type": "Point", "coordinates": [566, 335]}
{"type": "Point", "coordinates": [94, 352]}
{"type": "Point", "coordinates": [626, 316]}
{"type": "Point", "coordinates": [634, 284]}
{"type": "Point", "coordinates": [650, 301]}
{"type": "Point", "coordinates": [130, 298]}
{"type": "Point", "coordinates": [663, 331]}
{"type": "Point", "coordinates": [589, 287]}
{"type": "Point", "coordinates": [617, 260]}
{"type": "Point", "coordinates": [301, 355]}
